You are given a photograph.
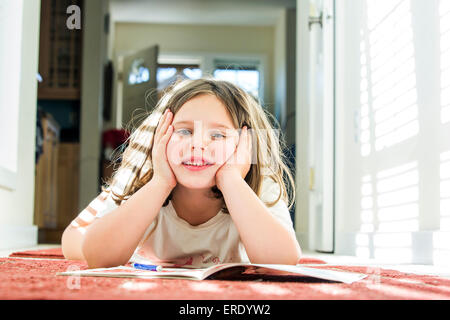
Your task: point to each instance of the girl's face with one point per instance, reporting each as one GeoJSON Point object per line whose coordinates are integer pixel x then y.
{"type": "Point", "coordinates": [203, 134]}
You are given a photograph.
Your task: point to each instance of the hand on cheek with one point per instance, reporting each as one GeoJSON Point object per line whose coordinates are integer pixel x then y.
{"type": "Point", "coordinates": [239, 163]}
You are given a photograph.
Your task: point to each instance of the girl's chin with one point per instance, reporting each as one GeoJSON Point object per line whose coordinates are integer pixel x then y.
{"type": "Point", "coordinates": [193, 184]}
{"type": "Point", "coordinates": [196, 180]}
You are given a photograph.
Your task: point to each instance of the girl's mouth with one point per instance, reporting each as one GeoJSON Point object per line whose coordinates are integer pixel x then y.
{"type": "Point", "coordinates": [196, 167]}
{"type": "Point", "coordinates": [193, 167]}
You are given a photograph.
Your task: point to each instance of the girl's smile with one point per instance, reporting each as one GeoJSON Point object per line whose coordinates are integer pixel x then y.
{"type": "Point", "coordinates": [197, 164]}
{"type": "Point", "coordinates": [196, 167]}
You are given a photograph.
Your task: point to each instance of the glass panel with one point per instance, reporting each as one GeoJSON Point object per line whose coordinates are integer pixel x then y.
{"type": "Point", "coordinates": [192, 73]}
{"type": "Point", "coordinates": [139, 73]}
{"type": "Point", "coordinates": [246, 79]}
{"type": "Point", "coordinates": [165, 73]}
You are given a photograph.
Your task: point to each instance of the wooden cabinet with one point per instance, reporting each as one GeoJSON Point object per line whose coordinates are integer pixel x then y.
{"type": "Point", "coordinates": [56, 184]}
{"type": "Point", "coordinates": [45, 190]}
{"type": "Point", "coordinates": [59, 52]}
{"type": "Point", "coordinates": [67, 183]}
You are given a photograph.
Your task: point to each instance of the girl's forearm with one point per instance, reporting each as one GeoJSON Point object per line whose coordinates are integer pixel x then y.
{"type": "Point", "coordinates": [265, 239]}
{"type": "Point", "coordinates": [111, 240]}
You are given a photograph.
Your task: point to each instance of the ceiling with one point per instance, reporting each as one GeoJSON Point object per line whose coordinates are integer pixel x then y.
{"type": "Point", "coordinates": [216, 12]}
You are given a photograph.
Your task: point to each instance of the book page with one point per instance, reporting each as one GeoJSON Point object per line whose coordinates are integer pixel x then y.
{"type": "Point", "coordinates": [130, 272]}
{"type": "Point", "coordinates": [201, 274]}
{"type": "Point", "coordinates": [332, 275]}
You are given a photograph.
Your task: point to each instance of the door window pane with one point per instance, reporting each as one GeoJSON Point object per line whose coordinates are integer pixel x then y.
{"type": "Point", "coordinates": [169, 73]}
{"type": "Point", "coordinates": [139, 73]}
{"type": "Point", "coordinates": [246, 79]}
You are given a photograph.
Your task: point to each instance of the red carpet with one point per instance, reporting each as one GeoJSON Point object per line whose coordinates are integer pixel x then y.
{"type": "Point", "coordinates": [35, 279]}
{"type": "Point", "coordinates": [56, 253]}
{"type": "Point", "coordinates": [53, 253]}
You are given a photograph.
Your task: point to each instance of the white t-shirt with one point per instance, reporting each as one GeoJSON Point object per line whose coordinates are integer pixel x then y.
{"type": "Point", "coordinates": [172, 241]}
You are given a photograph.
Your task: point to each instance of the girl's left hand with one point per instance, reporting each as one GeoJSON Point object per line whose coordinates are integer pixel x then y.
{"type": "Point", "coordinates": [238, 165]}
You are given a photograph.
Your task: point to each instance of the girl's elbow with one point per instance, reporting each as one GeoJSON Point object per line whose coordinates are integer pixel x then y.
{"type": "Point", "coordinates": [94, 263]}
{"type": "Point", "coordinates": [299, 254]}
{"type": "Point", "coordinates": [91, 257]}
{"type": "Point", "coordinates": [89, 253]}
{"type": "Point", "coordinates": [95, 259]}
{"type": "Point", "coordinates": [295, 257]}
{"type": "Point", "coordinates": [293, 261]}
{"type": "Point", "coordinates": [71, 244]}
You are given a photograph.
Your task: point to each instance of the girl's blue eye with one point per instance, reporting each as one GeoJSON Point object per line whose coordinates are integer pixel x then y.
{"type": "Point", "coordinates": [214, 135]}
{"type": "Point", "coordinates": [218, 135]}
{"type": "Point", "coordinates": [183, 130]}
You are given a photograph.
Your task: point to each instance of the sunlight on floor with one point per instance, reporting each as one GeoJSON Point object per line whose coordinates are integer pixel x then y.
{"type": "Point", "coordinates": [356, 261]}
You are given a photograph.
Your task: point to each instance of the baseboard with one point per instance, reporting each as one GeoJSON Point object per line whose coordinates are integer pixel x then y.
{"type": "Point", "coordinates": [17, 236]}
{"type": "Point", "coordinates": [420, 247]}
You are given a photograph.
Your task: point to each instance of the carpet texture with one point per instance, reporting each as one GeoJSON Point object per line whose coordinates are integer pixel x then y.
{"type": "Point", "coordinates": [53, 253]}
{"type": "Point", "coordinates": [22, 278]}
{"type": "Point", "coordinates": [56, 253]}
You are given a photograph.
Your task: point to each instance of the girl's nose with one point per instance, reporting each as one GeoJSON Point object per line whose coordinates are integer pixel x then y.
{"type": "Point", "coordinates": [199, 139]}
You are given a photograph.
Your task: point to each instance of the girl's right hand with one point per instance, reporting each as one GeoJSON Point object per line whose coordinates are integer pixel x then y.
{"type": "Point", "coordinates": [161, 168]}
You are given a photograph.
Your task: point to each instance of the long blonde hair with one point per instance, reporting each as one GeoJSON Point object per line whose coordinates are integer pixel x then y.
{"type": "Point", "coordinates": [268, 159]}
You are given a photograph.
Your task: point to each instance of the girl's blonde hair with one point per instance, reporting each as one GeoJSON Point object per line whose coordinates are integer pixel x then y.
{"type": "Point", "coordinates": [268, 159]}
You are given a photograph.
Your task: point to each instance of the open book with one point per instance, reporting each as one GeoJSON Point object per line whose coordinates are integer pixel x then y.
{"type": "Point", "coordinates": [225, 271]}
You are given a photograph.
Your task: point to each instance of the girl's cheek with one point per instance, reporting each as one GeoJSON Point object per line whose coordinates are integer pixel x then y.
{"type": "Point", "coordinates": [174, 150]}
{"type": "Point", "coordinates": [223, 151]}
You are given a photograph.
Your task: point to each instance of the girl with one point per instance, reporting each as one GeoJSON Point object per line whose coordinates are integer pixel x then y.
{"type": "Point", "coordinates": [195, 188]}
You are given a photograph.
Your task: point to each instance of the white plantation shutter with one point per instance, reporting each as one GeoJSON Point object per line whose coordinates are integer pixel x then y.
{"type": "Point", "coordinates": [395, 113]}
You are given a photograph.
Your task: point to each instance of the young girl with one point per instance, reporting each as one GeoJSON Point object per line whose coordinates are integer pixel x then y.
{"type": "Point", "coordinates": [195, 187]}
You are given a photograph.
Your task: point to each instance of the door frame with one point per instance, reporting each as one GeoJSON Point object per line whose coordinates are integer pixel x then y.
{"type": "Point", "coordinates": [305, 219]}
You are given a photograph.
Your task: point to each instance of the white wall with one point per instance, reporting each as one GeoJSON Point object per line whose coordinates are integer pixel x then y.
{"type": "Point", "coordinates": [16, 215]}
{"type": "Point", "coordinates": [391, 188]}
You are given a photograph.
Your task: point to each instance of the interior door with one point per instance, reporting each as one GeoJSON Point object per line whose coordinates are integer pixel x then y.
{"type": "Point", "coordinates": [139, 85]}
{"type": "Point", "coordinates": [321, 143]}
